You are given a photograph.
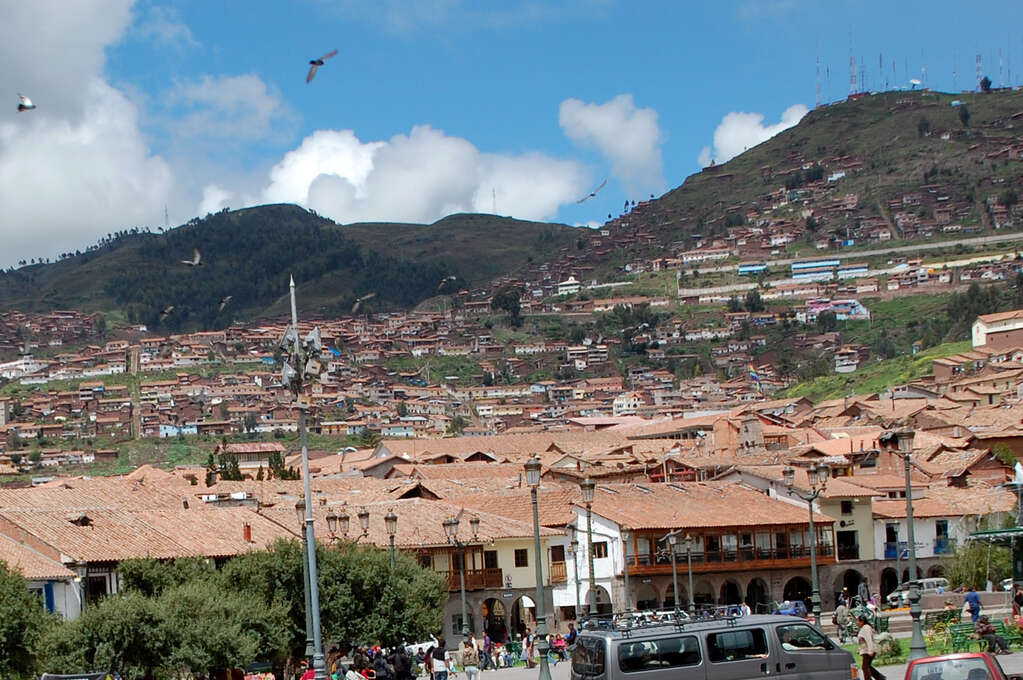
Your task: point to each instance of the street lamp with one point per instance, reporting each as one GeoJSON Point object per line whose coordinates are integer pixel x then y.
{"type": "Point", "coordinates": [573, 550]}
{"type": "Point", "coordinates": [689, 558]}
{"type": "Point", "coordinates": [310, 648]}
{"type": "Point", "coordinates": [672, 538]}
{"type": "Point", "coordinates": [391, 521]}
{"type": "Point", "coordinates": [451, 531]}
{"type": "Point", "coordinates": [302, 365]}
{"type": "Point", "coordinates": [533, 480]}
{"type": "Point", "coordinates": [343, 521]}
{"type": "Point", "coordinates": [917, 646]}
{"type": "Point", "coordinates": [588, 487]}
{"type": "Point", "coordinates": [817, 477]}
{"type": "Point", "coordinates": [626, 537]}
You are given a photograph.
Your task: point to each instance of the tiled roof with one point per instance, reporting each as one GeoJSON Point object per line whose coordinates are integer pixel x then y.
{"type": "Point", "coordinates": [949, 501]}
{"type": "Point", "coordinates": [30, 563]}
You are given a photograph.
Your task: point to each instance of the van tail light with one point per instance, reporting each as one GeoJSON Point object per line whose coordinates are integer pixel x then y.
{"type": "Point", "coordinates": [854, 671]}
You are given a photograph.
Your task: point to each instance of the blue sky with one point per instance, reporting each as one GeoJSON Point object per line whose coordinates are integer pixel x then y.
{"type": "Point", "coordinates": [431, 106]}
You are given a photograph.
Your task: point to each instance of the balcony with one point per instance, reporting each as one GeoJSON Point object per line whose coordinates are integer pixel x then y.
{"type": "Point", "coordinates": [892, 550]}
{"type": "Point", "coordinates": [731, 560]}
{"type": "Point", "coordinates": [475, 579]}
{"type": "Point", "coordinates": [944, 546]}
{"type": "Point", "coordinates": [559, 572]}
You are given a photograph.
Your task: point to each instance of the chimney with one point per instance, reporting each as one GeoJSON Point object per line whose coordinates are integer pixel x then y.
{"type": "Point", "coordinates": [247, 532]}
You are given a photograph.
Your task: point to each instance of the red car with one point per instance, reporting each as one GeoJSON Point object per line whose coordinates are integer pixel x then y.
{"type": "Point", "coordinates": [966, 666]}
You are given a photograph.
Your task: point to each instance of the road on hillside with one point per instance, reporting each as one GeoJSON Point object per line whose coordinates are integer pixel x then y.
{"type": "Point", "coordinates": [938, 245]}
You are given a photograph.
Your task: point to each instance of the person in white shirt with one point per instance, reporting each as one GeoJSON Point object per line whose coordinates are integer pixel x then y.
{"type": "Point", "coordinates": [867, 648]}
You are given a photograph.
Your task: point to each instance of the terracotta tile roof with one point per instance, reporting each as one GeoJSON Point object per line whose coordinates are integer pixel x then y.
{"type": "Point", "coordinates": [554, 503]}
{"type": "Point", "coordinates": [694, 505]}
{"type": "Point", "coordinates": [837, 487]}
{"type": "Point", "coordinates": [949, 501]}
{"type": "Point", "coordinates": [30, 563]}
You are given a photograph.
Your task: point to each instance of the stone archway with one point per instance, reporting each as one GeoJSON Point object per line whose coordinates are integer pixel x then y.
{"type": "Point", "coordinates": [603, 600]}
{"type": "Point", "coordinates": [523, 615]}
{"type": "Point", "coordinates": [669, 597]}
{"type": "Point", "coordinates": [730, 593]}
{"type": "Point", "coordinates": [849, 580]}
{"type": "Point", "coordinates": [757, 596]}
{"type": "Point", "coordinates": [936, 571]}
{"type": "Point", "coordinates": [797, 588]}
{"type": "Point", "coordinates": [646, 597]}
{"type": "Point", "coordinates": [703, 592]}
{"type": "Point", "coordinates": [495, 618]}
{"type": "Point", "coordinates": [889, 582]}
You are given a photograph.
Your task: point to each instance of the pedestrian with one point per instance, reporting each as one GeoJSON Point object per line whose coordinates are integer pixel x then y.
{"type": "Point", "coordinates": [488, 648]}
{"type": "Point", "coordinates": [841, 620]}
{"type": "Point", "coordinates": [996, 644]}
{"type": "Point", "coordinates": [867, 648]}
{"type": "Point", "coordinates": [469, 655]}
{"type": "Point", "coordinates": [746, 609]}
{"type": "Point", "coordinates": [528, 640]}
{"type": "Point", "coordinates": [401, 664]}
{"type": "Point", "coordinates": [972, 601]}
{"type": "Point", "coordinates": [437, 657]}
{"type": "Point", "coordinates": [863, 592]}
{"type": "Point", "coordinates": [570, 636]}
{"type": "Point", "coordinates": [1017, 599]}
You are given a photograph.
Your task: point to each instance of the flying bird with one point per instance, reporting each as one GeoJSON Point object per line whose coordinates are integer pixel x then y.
{"type": "Point", "coordinates": [196, 259]}
{"type": "Point", "coordinates": [450, 277]}
{"type": "Point", "coordinates": [166, 312]}
{"type": "Point", "coordinates": [359, 301]}
{"type": "Point", "coordinates": [223, 303]}
{"type": "Point", "coordinates": [317, 63]}
{"type": "Point", "coordinates": [24, 103]}
{"type": "Point", "coordinates": [592, 193]}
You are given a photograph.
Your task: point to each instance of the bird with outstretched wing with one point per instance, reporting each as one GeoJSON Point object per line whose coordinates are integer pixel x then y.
{"type": "Point", "coordinates": [317, 63]}
{"type": "Point", "coordinates": [196, 259]}
{"type": "Point", "coordinates": [593, 193]}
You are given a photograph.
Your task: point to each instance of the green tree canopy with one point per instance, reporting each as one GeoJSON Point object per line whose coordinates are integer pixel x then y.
{"type": "Point", "coordinates": [22, 623]}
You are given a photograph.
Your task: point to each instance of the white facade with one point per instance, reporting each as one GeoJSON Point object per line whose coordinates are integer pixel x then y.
{"type": "Point", "coordinates": [604, 568]}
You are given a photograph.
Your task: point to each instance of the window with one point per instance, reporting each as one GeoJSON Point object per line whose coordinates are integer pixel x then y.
{"type": "Point", "coordinates": [456, 561]}
{"type": "Point", "coordinates": [737, 645]}
{"type": "Point", "coordinates": [656, 654]}
{"type": "Point", "coordinates": [941, 528]}
{"type": "Point", "coordinates": [599, 550]}
{"type": "Point", "coordinates": [425, 560]}
{"type": "Point", "coordinates": [847, 507]}
{"type": "Point", "coordinates": [521, 557]}
{"type": "Point", "coordinates": [588, 657]}
{"type": "Point", "coordinates": [800, 637]}
{"type": "Point", "coordinates": [557, 553]}
{"type": "Point", "coordinates": [490, 559]}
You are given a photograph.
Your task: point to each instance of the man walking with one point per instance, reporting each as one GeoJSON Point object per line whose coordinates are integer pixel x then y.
{"type": "Point", "coordinates": [972, 600]}
{"type": "Point", "coordinates": [863, 592]}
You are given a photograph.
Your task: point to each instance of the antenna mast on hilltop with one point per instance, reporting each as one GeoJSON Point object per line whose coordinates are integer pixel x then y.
{"type": "Point", "coordinates": [493, 193]}
{"type": "Point", "coordinates": [818, 80]}
{"type": "Point", "coordinates": [1001, 65]}
{"type": "Point", "coordinates": [979, 69]}
{"type": "Point", "coordinates": [954, 61]}
{"type": "Point", "coordinates": [166, 219]}
{"type": "Point", "coordinates": [852, 76]}
{"type": "Point", "coordinates": [880, 72]}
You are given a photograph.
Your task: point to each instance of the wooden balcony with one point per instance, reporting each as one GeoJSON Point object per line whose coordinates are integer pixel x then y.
{"type": "Point", "coordinates": [559, 572]}
{"type": "Point", "coordinates": [730, 560]}
{"type": "Point", "coordinates": [475, 579]}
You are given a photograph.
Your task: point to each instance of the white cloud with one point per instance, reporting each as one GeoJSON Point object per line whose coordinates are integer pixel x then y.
{"type": "Point", "coordinates": [629, 137]}
{"type": "Point", "coordinates": [78, 166]}
{"type": "Point", "coordinates": [228, 107]}
{"type": "Point", "coordinates": [163, 26]}
{"type": "Point", "coordinates": [214, 199]}
{"type": "Point", "coordinates": [739, 131]}
{"type": "Point", "coordinates": [419, 177]}
{"type": "Point", "coordinates": [414, 16]}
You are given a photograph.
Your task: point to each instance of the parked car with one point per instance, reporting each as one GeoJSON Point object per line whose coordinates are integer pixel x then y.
{"type": "Point", "coordinates": [792, 608]}
{"type": "Point", "coordinates": [965, 666]}
{"type": "Point", "coordinates": [900, 596]}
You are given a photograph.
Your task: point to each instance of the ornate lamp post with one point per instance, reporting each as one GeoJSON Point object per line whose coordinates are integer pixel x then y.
{"type": "Point", "coordinates": [672, 539]}
{"type": "Point", "coordinates": [333, 522]}
{"type": "Point", "coordinates": [309, 648]}
{"type": "Point", "coordinates": [533, 480]}
{"type": "Point", "coordinates": [688, 540]}
{"type": "Point", "coordinates": [391, 521]}
{"type": "Point", "coordinates": [573, 550]}
{"type": "Point", "coordinates": [302, 366]}
{"type": "Point", "coordinates": [626, 537]}
{"type": "Point", "coordinates": [817, 476]}
{"type": "Point", "coordinates": [917, 646]}
{"type": "Point", "coordinates": [451, 531]}
{"type": "Point", "coordinates": [588, 487]}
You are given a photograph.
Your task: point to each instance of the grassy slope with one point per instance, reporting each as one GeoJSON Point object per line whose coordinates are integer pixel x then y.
{"type": "Point", "coordinates": [875, 376]}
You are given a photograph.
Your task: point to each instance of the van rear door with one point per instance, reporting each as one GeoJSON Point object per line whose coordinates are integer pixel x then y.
{"type": "Point", "coordinates": [589, 659]}
{"type": "Point", "coordinates": [804, 653]}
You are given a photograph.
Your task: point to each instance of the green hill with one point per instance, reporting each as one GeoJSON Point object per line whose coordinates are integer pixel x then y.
{"type": "Point", "coordinates": [249, 254]}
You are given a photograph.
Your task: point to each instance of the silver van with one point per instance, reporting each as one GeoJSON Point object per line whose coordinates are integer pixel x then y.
{"type": "Point", "coordinates": [733, 648]}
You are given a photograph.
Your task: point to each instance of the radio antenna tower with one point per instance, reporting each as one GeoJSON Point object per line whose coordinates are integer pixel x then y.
{"type": "Point", "coordinates": [863, 75]}
{"type": "Point", "coordinates": [852, 76]}
{"type": "Point", "coordinates": [880, 72]}
{"type": "Point", "coordinates": [979, 69]}
{"type": "Point", "coordinates": [954, 60]}
{"type": "Point", "coordinates": [493, 193]}
{"type": "Point", "coordinates": [818, 81]}
{"type": "Point", "coordinates": [1001, 65]}
{"type": "Point", "coordinates": [166, 219]}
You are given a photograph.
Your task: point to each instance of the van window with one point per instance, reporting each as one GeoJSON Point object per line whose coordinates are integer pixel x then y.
{"type": "Point", "coordinates": [798, 637]}
{"type": "Point", "coordinates": [736, 645]}
{"type": "Point", "coordinates": [663, 653]}
{"type": "Point", "coordinates": [588, 657]}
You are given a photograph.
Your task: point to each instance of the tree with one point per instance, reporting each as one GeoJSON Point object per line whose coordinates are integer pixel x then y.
{"type": "Point", "coordinates": [985, 84]}
{"type": "Point", "coordinates": [964, 115]}
{"type": "Point", "coordinates": [402, 409]}
{"type": "Point", "coordinates": [457, 424]}
{"type": "Point", "coordinates": [507, 299]}
{"type": "Point", "coordinates": [23, 622]}
{"type": "Point", "coordinates": [923, 126]}
{"type": "Point", "coordinates": [734, 305]}
{"type": "Point", "coordinates": [754, 303]}
{"type": "Point", "coordinates": [977, 562]}
{"type": "Point", "coordinates": [827, 321]}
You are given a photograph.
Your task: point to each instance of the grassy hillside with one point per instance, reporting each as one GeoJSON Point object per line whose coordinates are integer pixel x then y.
{"type": "Point", "coordinates": [250, 255]}
{"type": "Point", "coordinates": [875, 376]}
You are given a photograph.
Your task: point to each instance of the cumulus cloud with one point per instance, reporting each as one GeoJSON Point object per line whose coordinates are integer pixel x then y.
{"type": "Point", "coordinates": [628, 137]}
{"type": "Point", "coordinates": [163, 26]}
{"type": "Point", "coordinates": [419, 177]}
{"type": "Point", "coordinates": [241, 108]}
{"type": "Point", "coordinates": [739, 131]}
{"type": "Point", "coordinates": [78, 166]}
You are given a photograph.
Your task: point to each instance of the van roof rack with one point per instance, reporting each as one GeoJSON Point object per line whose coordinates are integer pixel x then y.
{"type": "Point", "coordinates": [625, 623]}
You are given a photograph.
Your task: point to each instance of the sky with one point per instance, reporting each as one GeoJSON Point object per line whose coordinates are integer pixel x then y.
{"type": "Point", "coordinates": [152, 113]}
